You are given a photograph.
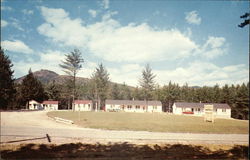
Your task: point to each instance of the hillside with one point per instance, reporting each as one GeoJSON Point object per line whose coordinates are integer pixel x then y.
{"type": "Point", "coordinates": [47, 76]}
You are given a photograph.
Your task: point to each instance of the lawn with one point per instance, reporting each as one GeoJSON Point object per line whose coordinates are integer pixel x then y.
{"type": "Point", "coordinates": [155, 122]}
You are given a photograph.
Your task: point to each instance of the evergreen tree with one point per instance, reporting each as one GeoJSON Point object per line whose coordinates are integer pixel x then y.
{"type": "Point", "coordinates": [147, 82]}
{"type": "Point", "coordinates": [7, 90]}
{"type": "Point", "coordinates": [216, 97]}
{"type": "Point", "coordinates": [136, 94]}
{"type": "Point", "coordinates": [71, 66]}
{"type": "Point", "coordinates": [101, 79]}
{"type": "Point", "coordinates": [52, 91]}
{"type": "Point", "coordinates": [31, 89]}
{"type": "Point", "coordinates": [242, 102]}
{"type": "Point", "coordinates": [115, 92]}
{"type": "Point", "coordinates": [125, 92]}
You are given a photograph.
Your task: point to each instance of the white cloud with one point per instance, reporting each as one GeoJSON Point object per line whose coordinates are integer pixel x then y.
{"type": "Point", "coordinates": [214, 47]}
{"type": "Point", "coordinates": [111, 41]}
{"type": "Point", "coordinates": [92, 12]}
{"type": "Point", "coordinates": [61, 28]}
{"type": "Point", "coordinates": [105, 4]}
{"type": "Point", "coordinates": [27, 12]}
{"type": "Point", "coordinates": [130, 74]}
{"type": "Point", "coordinates": [16, 46]}
{"type": "Point", "coordinates": [15, 23]}
{"type": "Point", "coordinates": [204, 73]}
{"type": "Point", "coordinates": [6, 8]}
{"type": "Point", "coordinates": [49, 59]}
{"type": "Point", "coordinates": [3, 23]}
{"type": "Point", "coordinates": [193, 17]}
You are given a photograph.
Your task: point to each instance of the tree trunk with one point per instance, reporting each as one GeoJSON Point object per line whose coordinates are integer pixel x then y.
{"type": "Point", "coordinates": [74, 87]}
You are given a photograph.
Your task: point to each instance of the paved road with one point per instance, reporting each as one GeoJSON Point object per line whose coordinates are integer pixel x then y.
{"type": "Point", "coordinates": [26, 125]}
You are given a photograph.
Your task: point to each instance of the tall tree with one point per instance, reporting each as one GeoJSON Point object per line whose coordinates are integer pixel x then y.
{"type": "Point", "coordinates": [6, 81]}
{"type": "Point", "coordinates": [101, 79]}
{"type": "Point", "coordinates": [31, 89]}
{"type": "Point", "coordinates": [71, 66]}
{"type": "Point", "coordinates": [147, 82]}
{"type": "Point", "coordinates": [242, 102]}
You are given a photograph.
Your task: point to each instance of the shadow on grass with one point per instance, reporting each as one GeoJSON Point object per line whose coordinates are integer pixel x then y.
{"type": "Point", "coordinates": [121, 151]}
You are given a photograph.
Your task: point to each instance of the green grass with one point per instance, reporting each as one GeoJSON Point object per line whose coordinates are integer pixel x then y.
{"type": "Point", "coordinates": [154, 122]}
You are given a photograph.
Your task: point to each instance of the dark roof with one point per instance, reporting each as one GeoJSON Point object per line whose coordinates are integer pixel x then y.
{"type": "Point", "coordinates": [133, 102]}
{"type": "Point", "coordinates": [201, 105]}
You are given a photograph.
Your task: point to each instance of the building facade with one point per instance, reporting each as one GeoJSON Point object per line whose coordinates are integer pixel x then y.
{"type": "Point", "coordinates": [45, 105]}
{"type": "Point", "coordinates": [220, 110]}
{"type": "Point", "coordinates": [34, 105]}
{"type": "Point", "coordinates": [133, 106]}
{"type": "Point", "coordinates": [50, 105]}
{"type": "Point", "coordinates": [83, 105]}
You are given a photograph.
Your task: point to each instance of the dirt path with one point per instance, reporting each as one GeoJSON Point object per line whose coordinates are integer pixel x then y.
{"type": "Point", "coordinates": [20, 125]}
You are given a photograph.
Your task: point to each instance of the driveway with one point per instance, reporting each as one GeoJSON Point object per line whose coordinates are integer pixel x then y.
{"type": "Point", "coordinates": [36, 124]}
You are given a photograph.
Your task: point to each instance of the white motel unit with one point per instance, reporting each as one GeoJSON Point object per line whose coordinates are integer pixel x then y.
{"type": "Point", "coordinates": [220, 110]}
{"type": "Point", "coordinates": [45, 105]}
{"type": "Point", "coordinates": [50, 105]}
{"type": "Point", "coordinates": [83, 105]}
{"type": "Point", "coordinates": [34, 105]}
{"type": "Point", "coordinates": [133, 106]}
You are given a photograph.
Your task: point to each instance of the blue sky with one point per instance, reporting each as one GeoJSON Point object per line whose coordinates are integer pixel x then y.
{"type": "Point", "coordinates": [192, 42]}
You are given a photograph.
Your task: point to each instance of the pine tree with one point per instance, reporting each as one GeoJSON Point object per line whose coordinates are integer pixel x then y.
{"type": "Point", "coordinates": [101, 80]}
{"type": "Point", "coordinates": [7, 90]}
{"type": "Point", "coordinates": [115, 92]}
{"type": "Point", "coordinates": [31, 89]}
{"type": "Point", "coordinates": [71, 66]}
{"type": "Point", "coordinates": [242, 102]}
{"type": "Point", "coordinates": [147, 82]}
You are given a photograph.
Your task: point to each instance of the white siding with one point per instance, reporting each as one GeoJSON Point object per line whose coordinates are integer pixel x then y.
{"type": "Point", "coordinates": [133, 108]}
{"type": "Point", "coordinates": [222, 113]}
{"type": "Point", "coordinates": [50, 106]}
{"type": "Point", "coordinates": [83, 107]}
{"type": "Point", "coordinates": [219, 113]}
{"type": "Point", "coordinates": [177, 110]}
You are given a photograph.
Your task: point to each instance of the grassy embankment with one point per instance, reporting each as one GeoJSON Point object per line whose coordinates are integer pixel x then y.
{"type": "Point", "coordinates": [154, 122]}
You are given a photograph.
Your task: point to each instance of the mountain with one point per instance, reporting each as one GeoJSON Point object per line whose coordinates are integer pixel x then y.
{"type": "Point", "coordinates": [47, 76]}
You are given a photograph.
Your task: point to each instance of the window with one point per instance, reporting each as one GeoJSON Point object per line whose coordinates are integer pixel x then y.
{"type": "Point", "coordinates": [199, 109]}
{"type": "Point", "coordinates": [223, 110]}
{"type": "Point", "coordinates": [137, 107]}
{"type": "Point", "coordinates": [129, 107]}
{"type": "Point", "coordinates": [155, 107]}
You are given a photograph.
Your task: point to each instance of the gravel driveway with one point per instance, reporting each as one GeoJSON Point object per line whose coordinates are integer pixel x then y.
{"type": "Point", "coordinates": [35, 124]}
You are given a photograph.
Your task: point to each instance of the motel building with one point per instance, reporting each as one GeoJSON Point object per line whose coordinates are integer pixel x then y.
{"type": "Point", "coordinates": [45, 105]}
{"type": "Point", "coordinates": [133, 106]}
{"type": "Point", "coordinates": [83, 105]}
{"type": "Point", "coordinates": [220, 110]}
{"type": "Point", "coordinates": [50, 105]}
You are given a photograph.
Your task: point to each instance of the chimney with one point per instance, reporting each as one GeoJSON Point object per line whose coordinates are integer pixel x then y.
{"type": "Point", "coordinates": [200, 101]}
{"type": "Point", "coordinates": [133, 99]}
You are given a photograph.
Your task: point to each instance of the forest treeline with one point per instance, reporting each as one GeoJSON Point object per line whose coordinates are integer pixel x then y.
{"type": "Point", "coordinates": [99, 88]}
